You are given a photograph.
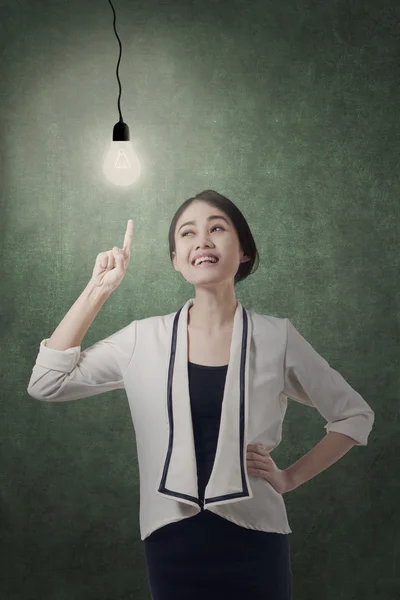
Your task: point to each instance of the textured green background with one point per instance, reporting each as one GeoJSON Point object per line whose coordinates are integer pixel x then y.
{"type": "Point", "coordinates": [291, 109]}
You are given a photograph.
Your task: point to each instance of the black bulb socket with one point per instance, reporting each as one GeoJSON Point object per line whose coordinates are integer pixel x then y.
{"type": "Point", "coordinates": [121, 132]}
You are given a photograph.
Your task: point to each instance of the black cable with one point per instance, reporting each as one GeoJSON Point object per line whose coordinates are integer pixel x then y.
{"type": "Point", "coordinates": [119, 59]}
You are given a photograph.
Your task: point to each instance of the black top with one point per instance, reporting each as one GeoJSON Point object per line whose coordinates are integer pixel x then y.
{"type": "Point", "coordinates": [206, 388]}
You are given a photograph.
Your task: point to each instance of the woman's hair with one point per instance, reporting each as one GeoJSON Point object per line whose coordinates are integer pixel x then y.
{"type": "Point", "coordinates": [243, 230]}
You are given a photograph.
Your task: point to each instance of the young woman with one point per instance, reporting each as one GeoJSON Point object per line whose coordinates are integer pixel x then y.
{"type": "Point", "coordinates": [207, 387]}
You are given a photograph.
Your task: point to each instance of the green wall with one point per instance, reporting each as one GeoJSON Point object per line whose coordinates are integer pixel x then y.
{"type": "Point", "coordinates": [291, 109]}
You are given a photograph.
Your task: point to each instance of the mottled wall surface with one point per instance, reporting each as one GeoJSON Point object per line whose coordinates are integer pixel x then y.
{"type": "Point", "coordinates": [291, 110]}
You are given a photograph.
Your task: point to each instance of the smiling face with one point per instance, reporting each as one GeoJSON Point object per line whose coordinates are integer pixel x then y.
{"type": "Point", "coordinates": [203, 228]}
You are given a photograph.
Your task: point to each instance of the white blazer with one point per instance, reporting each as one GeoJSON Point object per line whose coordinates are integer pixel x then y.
{"type": "Point", "coordinates": [269, 362]}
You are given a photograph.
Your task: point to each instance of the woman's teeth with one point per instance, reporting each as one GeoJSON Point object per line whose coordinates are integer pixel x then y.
{"type": "Point", "coordinates": [206, 261]}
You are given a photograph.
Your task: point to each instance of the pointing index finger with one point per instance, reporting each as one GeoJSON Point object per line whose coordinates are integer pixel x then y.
{"type": "Point", "coordinates": [128, 236]}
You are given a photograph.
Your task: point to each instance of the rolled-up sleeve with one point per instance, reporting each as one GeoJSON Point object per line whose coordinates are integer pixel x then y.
{"type": "Point", "coordinates": [61, 375]}
{"type": "Point", "coordinates": [309, 379]}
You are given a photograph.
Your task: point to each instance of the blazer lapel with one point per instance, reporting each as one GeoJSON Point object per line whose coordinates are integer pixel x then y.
{"type": "Point", "coordinates": [228, 480]}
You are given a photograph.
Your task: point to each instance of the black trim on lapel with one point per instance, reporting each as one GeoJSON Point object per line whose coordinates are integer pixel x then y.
{"type": "Point", "coordinates": [162, 488]}
{"type": "Point", "coordinates": [245, 491]}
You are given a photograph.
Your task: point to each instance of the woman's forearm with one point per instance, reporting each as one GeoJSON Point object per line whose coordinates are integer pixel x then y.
{"type": "Point", "coordinates": [73, 327]}
{"type": "Point", "coordinates": [332, 447]}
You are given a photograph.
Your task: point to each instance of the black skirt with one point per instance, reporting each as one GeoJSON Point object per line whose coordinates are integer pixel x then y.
{"type": "Point", "coordinates": [209, 557]}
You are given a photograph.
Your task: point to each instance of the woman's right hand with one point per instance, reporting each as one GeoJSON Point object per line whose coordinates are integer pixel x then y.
{"type": "Point", "coordinates": [110, 266]}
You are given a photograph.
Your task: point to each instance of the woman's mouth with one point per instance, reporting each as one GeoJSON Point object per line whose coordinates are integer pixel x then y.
{"type": "Point", "coordinates": [207, 263]}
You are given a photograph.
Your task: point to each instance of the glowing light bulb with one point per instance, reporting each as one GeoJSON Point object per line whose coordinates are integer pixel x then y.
{"type": "Point", "coordinates": [121, 165]}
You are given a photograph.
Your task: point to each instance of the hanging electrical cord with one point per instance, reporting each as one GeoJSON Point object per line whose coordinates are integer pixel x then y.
{"type": "Point", "coordinates": [119, 59]}
{"type": "Point", "coordinates": [121, 165]}
{"type": "Point", "coordinates": [121, 129]}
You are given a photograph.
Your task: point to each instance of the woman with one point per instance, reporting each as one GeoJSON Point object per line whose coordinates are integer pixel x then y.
{"type": "Point", "coordinates": [207, 388]}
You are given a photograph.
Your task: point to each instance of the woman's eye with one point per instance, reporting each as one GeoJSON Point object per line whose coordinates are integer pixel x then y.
{"type": "Point", "coordinates": [216, 227]}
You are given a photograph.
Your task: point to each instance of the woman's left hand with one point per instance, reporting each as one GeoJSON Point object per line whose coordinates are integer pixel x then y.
{"type": "Point", "coordinates": [260, 464]}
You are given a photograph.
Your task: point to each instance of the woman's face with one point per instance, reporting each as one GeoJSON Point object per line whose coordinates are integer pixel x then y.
{"type": "Point", "coordinates": [204, 233]}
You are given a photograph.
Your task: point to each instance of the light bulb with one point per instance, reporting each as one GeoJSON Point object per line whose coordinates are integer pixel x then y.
{"type": "Point", "coordinates": [121, 165]}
